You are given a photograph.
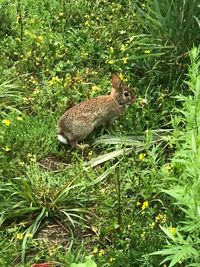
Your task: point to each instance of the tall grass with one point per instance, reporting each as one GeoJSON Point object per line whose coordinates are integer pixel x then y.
{"type": "Point", "coordinates": [183, 245]}
{"type": "Point", "coordinates": [176, 24]}
{"type": "Point", "coordinates": [10, 96]}
{"type": "Point", "coordinates": [67, 51]}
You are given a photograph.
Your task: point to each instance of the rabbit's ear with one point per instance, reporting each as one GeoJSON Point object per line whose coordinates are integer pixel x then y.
{"type": "Point", "coordinates": [116, 82]}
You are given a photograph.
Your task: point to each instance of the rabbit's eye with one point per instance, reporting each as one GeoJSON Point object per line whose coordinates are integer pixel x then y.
{"type": "Point", "coordinates": [126, 93]}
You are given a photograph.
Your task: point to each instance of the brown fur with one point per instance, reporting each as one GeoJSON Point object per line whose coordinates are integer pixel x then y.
{"type": "Point", "coordinates": [77, 122]}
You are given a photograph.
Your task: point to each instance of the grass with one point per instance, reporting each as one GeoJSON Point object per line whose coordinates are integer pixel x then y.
{"type": "Point", "coordinates": [132, 197]}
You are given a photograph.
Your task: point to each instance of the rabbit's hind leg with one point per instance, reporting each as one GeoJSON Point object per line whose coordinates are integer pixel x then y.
{"type": "Point", "coordinates": [82, 146]}
{"type": "Point", "coordinates": [74, 143]}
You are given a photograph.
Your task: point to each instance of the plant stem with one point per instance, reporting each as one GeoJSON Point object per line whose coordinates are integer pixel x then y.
{"type": "Point", "coordinates": [20, 18]}
{"type": "Point", "coordinates": [119, 214]}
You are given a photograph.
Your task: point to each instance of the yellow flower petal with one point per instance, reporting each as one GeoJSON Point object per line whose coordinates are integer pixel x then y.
{"type": "Point", "coordinates": [110, 61]}
{"type": "Point", "coordinates": [29, 235]}
{"type": "Point", "coordinates": [138, 203]}
{"type": "Point", "coordinates": [142, 156]}
{"type": "Point", "coordinates": [40, 38]}
{"type": "Point", "coordinates": [6, 122]}
{"type": "Point", "coordinates": [111, 49]}
{"type": "Point", "coordinates": [124, 60]}
{"type": "Point", "coordinates": [123, 47]}
{"type": "Point", "coordinates": [121, 76]}
{"type": "Point", "coordinates": [87, 23]}
{"type": "Point", "coordinates": [101, 252]}
{"type": "Point", "coordinates": [19, 236]}
{"type": "Point", "coordinates": [95, 88]}
{"type": "Point", "coordinates": [19, 118]}
{"type": "Point", "coordinates": [145, 205]}
{"type": "Point", "coordinates": [95, 250]}
{"type": "Point", "coordinates": [172, 230]}
{"type": "Point", "coordinates": [7, 149]}
{"type": "Point", "coordinates": [143, 235]}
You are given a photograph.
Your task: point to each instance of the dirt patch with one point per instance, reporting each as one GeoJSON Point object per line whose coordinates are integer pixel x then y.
{"type": "Point", "coordinates": [56, 234]}
{"type": "Point", "coordinates": [53, 163]}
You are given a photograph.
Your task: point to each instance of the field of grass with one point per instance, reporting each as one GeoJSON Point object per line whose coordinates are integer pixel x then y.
{"type": "Point", "coordinates": [133, 197]}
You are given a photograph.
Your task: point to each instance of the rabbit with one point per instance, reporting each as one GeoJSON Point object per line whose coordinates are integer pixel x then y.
{"type": "Point", "coordinates": [77, 122]}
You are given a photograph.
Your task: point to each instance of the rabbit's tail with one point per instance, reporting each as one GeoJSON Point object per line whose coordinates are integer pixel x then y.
{"type": "Point", "coordinates": [62, 139]}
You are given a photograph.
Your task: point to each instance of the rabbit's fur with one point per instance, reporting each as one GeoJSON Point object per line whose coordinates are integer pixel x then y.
{"type": "Point", "coordinates": [77, 122]}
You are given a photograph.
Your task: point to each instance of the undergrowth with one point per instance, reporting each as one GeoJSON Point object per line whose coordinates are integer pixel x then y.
{"type": "Point", "coordinates": [132, 197]}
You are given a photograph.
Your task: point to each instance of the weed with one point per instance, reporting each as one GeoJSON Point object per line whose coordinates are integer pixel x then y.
{"type": "Point", "coordinates": [138, 182]}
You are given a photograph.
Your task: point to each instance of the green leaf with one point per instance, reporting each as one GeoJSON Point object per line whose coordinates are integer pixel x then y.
{"type": "Point", "coordinates": [89, 263]}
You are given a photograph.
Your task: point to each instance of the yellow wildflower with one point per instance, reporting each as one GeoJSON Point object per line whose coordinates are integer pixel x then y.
{"type": "Point", "coordinates": [110, 61]}
{"type": "Point", "coordinates": [172, 230]}
{"type": "Point", "coordinates": [95, 88]}
{"type": "Point", "coordinates": [21, 163]}
{"type": "Point", "coordinates": [6, 149]}
{"type": "Point", "coordinates": [29, 53]}
{"type": "Point", "coordinates": [87, 24]}
{"type": "Point", "coordinates": [168, 167]}
{"type": "Point", "coordinates": [34, 81]}
{"type": "Point", "coordinates": [143, 234]}
{"type": "Point", "coordinates": [19, 236]}
{"type": "Point", "coordinates": [123, 47]}
{"type": "Point", "coordinates": [138, 203]}
{"type": "Point", "coordinates": [25, 99]}
{"type": "Point", "coordinates": [111, 49]}
{"type": "Point", "coordinates": [61, 14]}
{"type": "Point", "coordinates": [6, 122]}
{"type": "Point", "coordinates": [101, 252]}
{"type": "Point", "coordinates": [90, 153]}
{"type": "Point", "coordinates": [145, 205]}
{"type": "Point", "coordinates": [32, 157]}
{"type": "Point", "coordinates": [151, 225]}
{"type": "Point", "coordinates": [36, 90]}
{"type": "Point", "coordinates": [124, 60]}
{"type": "Point", "coordinates": [147, 51]}
{"type": "Point", "coordinates": [111, 259]}
{"type": "Point", "coordinates": [40, 38]}
{"type": "Point", "coordinates": [161, 218]}
{"type": "Point", "coordinates": [121, 76]}
{"type": "Point", "coordinates": [18, 118]}
{"type": "Point", "coordinates": [85, 54]}
{"type": "Point", "coordinates": [53, 80]}
{"type": "Point", "coordinates": [142, 156]}
{"type": "Point", "coordinates": [95, 250]}
{"type": "Point", "coordinates": [29, 235]}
